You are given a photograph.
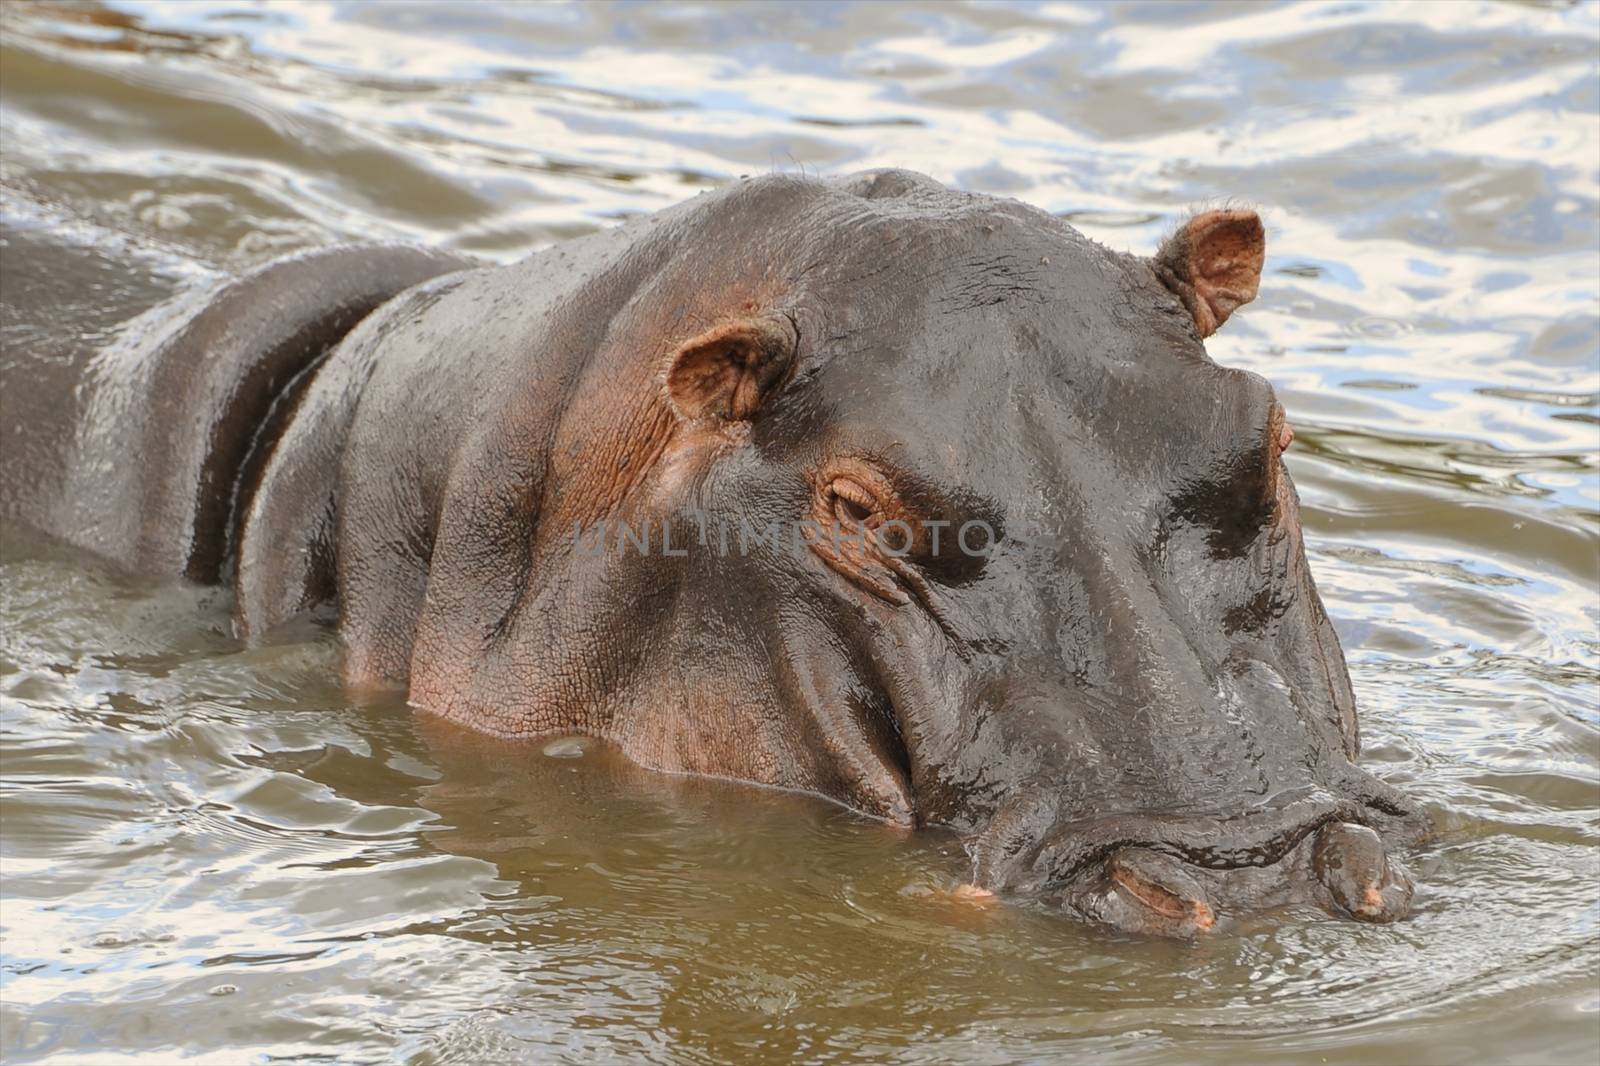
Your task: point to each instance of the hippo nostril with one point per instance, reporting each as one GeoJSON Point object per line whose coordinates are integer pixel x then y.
{"type": "Point", "coordinates": [1352, 862]}
{"type": "Point", "coordinates": [1148, 892]}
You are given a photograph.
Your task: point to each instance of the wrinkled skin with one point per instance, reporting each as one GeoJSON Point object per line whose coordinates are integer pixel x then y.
{"type": "Point", "coordinates": [1133, 706]}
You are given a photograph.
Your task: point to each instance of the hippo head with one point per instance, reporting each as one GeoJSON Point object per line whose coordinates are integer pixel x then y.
{"type": "Point", "coordinates": [922, 501]}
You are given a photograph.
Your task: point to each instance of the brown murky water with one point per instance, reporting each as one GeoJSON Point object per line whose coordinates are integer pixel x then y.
{"type": "Point", "coordinates": [210, 852]}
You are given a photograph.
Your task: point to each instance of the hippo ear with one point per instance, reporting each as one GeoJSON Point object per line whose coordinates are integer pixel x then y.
{"type": "Point", "coordinates": [729, 370]}
{"type": "Point", "coordinates": [1214, 265]}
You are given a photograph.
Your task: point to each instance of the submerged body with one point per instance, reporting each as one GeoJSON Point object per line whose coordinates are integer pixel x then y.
{"type": "Point", "coordinates": [915, 499]}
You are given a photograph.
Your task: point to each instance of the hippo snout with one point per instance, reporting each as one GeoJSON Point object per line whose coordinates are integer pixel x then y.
{"type": "Point", "coordinates": [1183, 876]}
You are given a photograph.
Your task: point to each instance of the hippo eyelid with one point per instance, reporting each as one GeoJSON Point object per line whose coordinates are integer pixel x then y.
{"type": "Point", "coordinates": [852, 501]}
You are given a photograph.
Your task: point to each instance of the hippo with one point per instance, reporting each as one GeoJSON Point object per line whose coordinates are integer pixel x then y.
{"type": "Point", "coordinates": [911, 498]}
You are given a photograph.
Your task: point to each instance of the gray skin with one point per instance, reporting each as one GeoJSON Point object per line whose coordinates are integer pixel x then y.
{"type": "Point", "coordinates": [1132, 705]}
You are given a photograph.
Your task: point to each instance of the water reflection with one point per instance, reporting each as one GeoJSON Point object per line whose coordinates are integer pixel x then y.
{"type": "Point", "coordinates": [210, 848]}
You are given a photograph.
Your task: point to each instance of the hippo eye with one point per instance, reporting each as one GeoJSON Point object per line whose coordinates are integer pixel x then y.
{"type": "Point", "coordinates": [852, 504]}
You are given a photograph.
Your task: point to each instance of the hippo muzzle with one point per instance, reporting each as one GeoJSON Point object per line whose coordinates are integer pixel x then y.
{"type": "Point", "coordinates": [1179, 875]}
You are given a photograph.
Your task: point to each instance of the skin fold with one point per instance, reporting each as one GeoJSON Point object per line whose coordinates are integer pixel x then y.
{"type": "Point", "coordinates": [1130, 702]}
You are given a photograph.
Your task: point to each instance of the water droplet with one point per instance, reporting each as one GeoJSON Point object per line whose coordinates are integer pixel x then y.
{"type": "Point", "coordinates": [567, 748]}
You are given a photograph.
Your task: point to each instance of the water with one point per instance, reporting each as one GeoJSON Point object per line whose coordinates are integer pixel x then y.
{"type": "Point", "coordinates": [210, 851]}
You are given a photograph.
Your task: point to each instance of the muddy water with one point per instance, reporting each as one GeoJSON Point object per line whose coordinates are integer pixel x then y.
{"type": "Point", "coordinates": [211, 851]}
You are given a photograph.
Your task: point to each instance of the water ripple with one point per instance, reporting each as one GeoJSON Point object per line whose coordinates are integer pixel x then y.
{"type": "Point", "coordinates": [210, 851]}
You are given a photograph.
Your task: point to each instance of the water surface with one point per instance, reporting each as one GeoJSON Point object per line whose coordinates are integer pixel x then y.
{"type": "Point", "coordinates": [211, 852]}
